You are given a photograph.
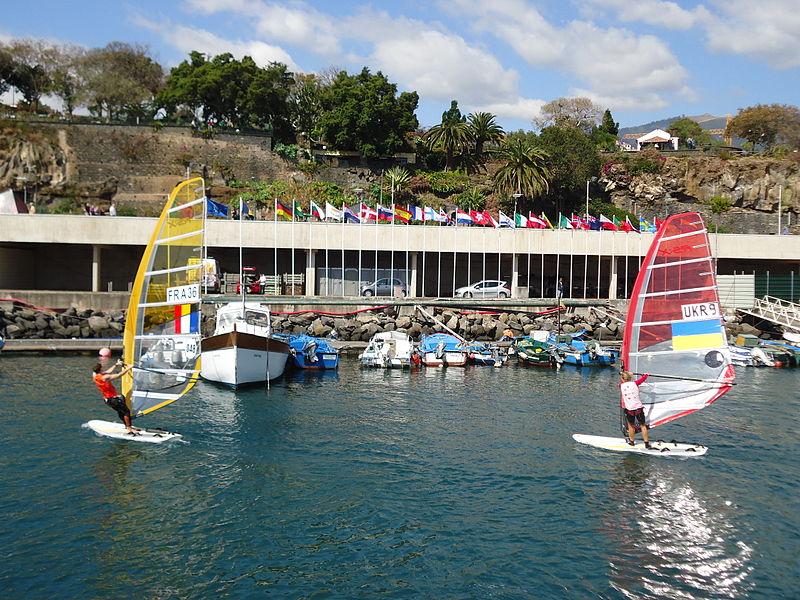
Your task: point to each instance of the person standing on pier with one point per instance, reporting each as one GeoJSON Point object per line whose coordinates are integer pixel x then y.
{"type": "Point", "coordinates": [114, 400]}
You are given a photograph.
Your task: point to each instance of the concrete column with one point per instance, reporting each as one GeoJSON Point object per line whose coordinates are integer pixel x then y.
{"type": "Point", "coordinates": [514, 273]}
{"type": "Point", "coordinates": [311, 272]}
{"type": "Point", "coordinates": [96, 267]}
{"type": "Point", "coordinates": [412, 285]}
{"type": "Point", "coordinates": [612, 280]}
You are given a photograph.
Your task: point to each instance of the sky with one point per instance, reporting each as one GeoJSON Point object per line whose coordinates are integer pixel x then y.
{"type": "Point", "coordinates": [644, 60]}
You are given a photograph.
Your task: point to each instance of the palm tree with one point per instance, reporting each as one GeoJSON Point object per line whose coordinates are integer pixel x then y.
{"type": "Point", "coordinates": [524, 170]}
{"type": "Point", "coordinates": [484, 129]}
{"type": "Point", "coordinates": [454, 137]}
{"type": "Point", "coordinates": [396, 178]}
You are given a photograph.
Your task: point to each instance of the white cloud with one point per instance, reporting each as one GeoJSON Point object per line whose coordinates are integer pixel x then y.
{"type": "Point", "coordinates": [768, 30]}
{"type": "Point", "coordinates": [616, 67]}
{"type": "Point", "coordinates": [188, 39]}
{"type": "Point", "coordinates": [653, 12]}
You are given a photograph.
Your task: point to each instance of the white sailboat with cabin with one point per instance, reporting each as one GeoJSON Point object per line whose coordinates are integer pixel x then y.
{"type": "Point", "coordinates": [674, 332]}
{"type": "Point", "coordinates": [162, 326]}
{"type": "Point", "coordinates": [243, 350]}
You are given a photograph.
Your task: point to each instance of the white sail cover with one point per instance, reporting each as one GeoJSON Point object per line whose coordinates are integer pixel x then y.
{"type": "Point", "coordinates": [162, 328]}
{"type": "Point", "coordinates": [674, 326]}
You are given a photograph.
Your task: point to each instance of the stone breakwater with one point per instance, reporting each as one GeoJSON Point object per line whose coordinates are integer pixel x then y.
{"type": "Point", "coordinates": [27, 323]}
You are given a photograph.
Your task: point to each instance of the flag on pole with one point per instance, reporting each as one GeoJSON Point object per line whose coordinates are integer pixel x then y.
{"type": "Point", "coordinates": [627, 225]}
{"type": "Point", "coordinates": [416, 213]}
{"type": "Point", "coordinates": [463, 218]}
{"type": "Point", "coordinates": [298, 211]}
{"type": "Point", "coordinates": [367, 213]}
{"type": "Point", "coordinates": [616, 222]}
{"type": "Point", "coordinates": [429, 214]}
{"type": "Point", "coordinates": [215, 209]}
{"type": "Point", "coordinates": [385, 213]}
{"type": "Point", "coordinates": [282, 211]}
{"type": "Point", "coordinates": [537, 223]}
{"type": "Point", "coordinates": [332, 213]}
{"type": "Point", "coordinates": [547, 221]}
{"type": "Point", "coordinates": [521, 220]}
{"type": "Point", "coordinates": [607, 224]}
{"type": "Point", "coordinates": [444, 217]}
{"type": "Point", "coordinates": [658, 223]}
{"type": "Point", "coordinates": [594, 223]}
{"type": "Point", "coordinates": [506, 221]}
{"type": "Point", "coordinates": [316, 211]}
{"type": "Point", "coordinates": [563, 222]}
{"type": "Point", "coordinates": [349, 215]}
{"type": "Point", "coordinates": [244, 209]}
{"type": "Point", "coordinates": [403, 214]}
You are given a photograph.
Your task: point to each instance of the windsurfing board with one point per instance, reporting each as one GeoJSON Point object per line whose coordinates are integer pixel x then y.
{"type": "Point", "coordinates": [118, 431]}
{"type": "Point", "coordinates": [658, 448]}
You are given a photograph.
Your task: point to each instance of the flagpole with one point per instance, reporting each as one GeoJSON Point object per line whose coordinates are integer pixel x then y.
{"type": "Point", "coordinates": [499, 255]}
{"type": "Point", "coordinates": [361, 210]}
{"type": "Point", "coordinates": [599, 257]}
{"type": "Point", "coordinates": [571, 256]}
{"type": "Point", "coordinates": [558, 262]}
{"type": "Point", "coordinates": [276, 282]}
{"type": "Point", "coordinates": [455, 256]}
{"type": "Point", "coordinates": [586, 255]}
{"type": "Point", "coordinates": [242, 283]}
{"type": "Point", "coordinates": [203, 277]}
{"type": "Point", "coordinates": [439, 269]}
{"type": "Point", "coordinates": [391, 260]}
{"type": "Point", "coordinates": [408, 241]}
{"type": "Point", "coordinates": [294, 209]}
{"type": "Point", "coordinates": [375, 273]}
{"type": "Point", "coordinates": [424, 252]}
{"type": "Point", "coordinates": [327, 262]}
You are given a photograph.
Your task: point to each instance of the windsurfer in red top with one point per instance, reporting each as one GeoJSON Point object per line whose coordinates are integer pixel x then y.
{"type": "Point", "coordinates": [633, 407]}
{"type": "Point", "coordinates": [103, 381]}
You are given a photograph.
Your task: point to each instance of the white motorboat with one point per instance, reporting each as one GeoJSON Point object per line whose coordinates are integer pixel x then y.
{"type": "Point", "coordinates": [389, 349]}
{"type": "Point", "coordinates": [242, 349]}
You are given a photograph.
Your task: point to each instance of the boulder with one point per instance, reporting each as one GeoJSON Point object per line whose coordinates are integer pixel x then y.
{"type": "Point", "coordinates": [97, 324]}
{"type": "Point", "coordinates": [403, 322]}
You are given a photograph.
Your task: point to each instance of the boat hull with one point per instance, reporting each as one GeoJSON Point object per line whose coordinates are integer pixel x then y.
{"type": "Point", "coordinates": [448, 359]}
{"type": "Point", "coordinates": [238, 359]}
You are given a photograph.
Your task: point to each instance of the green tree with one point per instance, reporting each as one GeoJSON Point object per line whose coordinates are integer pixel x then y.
{"type": "Point", "coordinates": [524, 169]}
{"type": "Point", "coordinates": [67, 83]}
{"type": "Point", "coordinates": [397, 179]}
{"type": "Point", "coordinates": [484, 128]}
{"type": "Point", "coordinates": [120, 79]}
{"type": "Point", "coordinates": [453, 135]}
{"type": "Point", "coordinates": [767, 125]}
{"type": "Point", "coordinates": [363, 112]}
{"type": "Point", "coordinates": [685, 129]}
{"type": "Point", "coordinates": [573, 160]}
{"type": "Point", "coordinates": [266, 100]}
{"type": "Point", "coordinates": [608, 125]}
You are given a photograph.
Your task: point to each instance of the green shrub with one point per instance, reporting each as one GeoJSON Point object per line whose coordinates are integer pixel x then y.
{"type": "Point", "coordinates": [719, 204]}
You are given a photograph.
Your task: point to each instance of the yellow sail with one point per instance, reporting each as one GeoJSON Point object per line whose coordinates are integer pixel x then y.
{"type": "Point", "coordinates": [162, 327]}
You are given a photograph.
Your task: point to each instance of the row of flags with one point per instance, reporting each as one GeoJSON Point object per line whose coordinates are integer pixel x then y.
{"type": "Point", "coordinates": [362, 213]}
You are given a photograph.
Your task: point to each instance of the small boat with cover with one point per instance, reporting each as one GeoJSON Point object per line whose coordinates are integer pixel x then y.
{"type": "Point", "coordinates": [579, 350]}
{"type": "Point", "coordinates": [443, 350]}
{"type": "Point", "coordinates": [162, 327]}
{"type": "Point", "coordinates": [536, 351]}
{"type": "Point", "coordinates": [674, 332]}
{"type": "Point", "coordinates": [388, 350]}
{"type": "Point", "coordinates": [308, 352]}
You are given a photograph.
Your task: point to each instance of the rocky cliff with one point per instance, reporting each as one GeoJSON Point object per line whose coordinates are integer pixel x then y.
{"type": "Point", "coordinates": [754, 186]}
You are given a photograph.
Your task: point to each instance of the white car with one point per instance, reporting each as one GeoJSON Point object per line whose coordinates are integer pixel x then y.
{"type": "Point", "coordinates": [488, 288]}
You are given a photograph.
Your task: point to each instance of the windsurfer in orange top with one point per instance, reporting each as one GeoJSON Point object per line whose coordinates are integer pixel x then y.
{"type": "Point", "coordinates": [633, 407]}
{"type": "Point", "coordinates": [103, 380]}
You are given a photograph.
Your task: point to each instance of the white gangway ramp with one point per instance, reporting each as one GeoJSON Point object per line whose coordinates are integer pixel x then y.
{"type": "Point", "coordinates": [778, 311]}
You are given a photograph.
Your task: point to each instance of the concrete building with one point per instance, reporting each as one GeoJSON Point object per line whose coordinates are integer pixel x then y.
{"type": "Point", "coordinates": [91, 253]}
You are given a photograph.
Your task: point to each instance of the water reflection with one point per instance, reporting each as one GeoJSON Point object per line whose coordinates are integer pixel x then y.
{"type": "Point", "coordinates": [668, 541]}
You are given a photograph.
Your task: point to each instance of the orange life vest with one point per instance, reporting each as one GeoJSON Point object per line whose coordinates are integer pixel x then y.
{"type": "Point", "coordinates": [106, 387]}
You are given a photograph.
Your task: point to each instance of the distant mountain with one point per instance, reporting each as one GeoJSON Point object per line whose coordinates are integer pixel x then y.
{"type": "Point", "coordinates": [706, 122]}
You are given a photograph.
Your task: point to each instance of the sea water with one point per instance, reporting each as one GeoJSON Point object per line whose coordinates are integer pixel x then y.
{"type": "Point", "coordinates": [433, 483]}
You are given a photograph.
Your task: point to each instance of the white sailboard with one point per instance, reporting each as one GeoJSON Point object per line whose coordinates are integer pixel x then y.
{"type": "Point", "coordinates": [120, 432]}
{"type": "Point", "coordinates": [674, 329]}
{"type": "Point", "coordinates": [162, 326]}
{"type": "Point", "coordinates": [657, 448]}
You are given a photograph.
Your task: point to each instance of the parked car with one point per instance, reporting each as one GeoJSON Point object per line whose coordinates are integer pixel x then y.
{"type": "Point", "coordinates": [382, 287]}
{"type": "Point", "coordinates": [488, 288]}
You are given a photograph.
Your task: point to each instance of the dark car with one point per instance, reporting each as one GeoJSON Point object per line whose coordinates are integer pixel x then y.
{"type": "Point", "coordinates": [383, 287]}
